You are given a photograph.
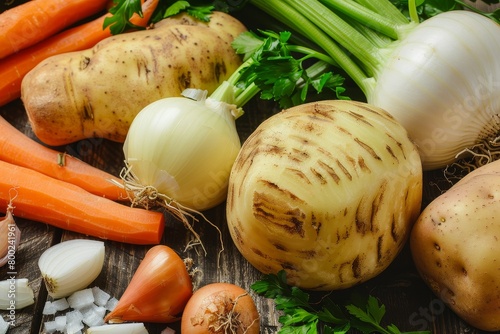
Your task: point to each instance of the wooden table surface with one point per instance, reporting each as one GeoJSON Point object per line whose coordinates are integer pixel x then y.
{"type": "Point", "coordinates": [409, 303]}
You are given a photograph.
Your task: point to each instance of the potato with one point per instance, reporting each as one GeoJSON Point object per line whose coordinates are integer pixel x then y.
{"type": "Point", "coordinates": [98, 92]}
{"type": "Point", "coordinates": [455, 245]}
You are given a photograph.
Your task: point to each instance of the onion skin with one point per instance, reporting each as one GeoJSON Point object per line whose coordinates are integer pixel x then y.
{"type": "Point", "coordinates": [158, 291]}
{"type": "Point", "coordinates": [212, 304]}
{"type": "Point", "coordinates": [327, 191]}
{"type": "Point", "coordinates": [9, 232]}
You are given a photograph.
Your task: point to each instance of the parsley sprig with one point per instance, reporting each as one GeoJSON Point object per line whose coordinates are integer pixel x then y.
{"type": "Point", "coordinates": [281, 71]}
{"type": "Point", "coordinates": [300, 315]}
{"type": "Point", "coordinates": [123, 10]}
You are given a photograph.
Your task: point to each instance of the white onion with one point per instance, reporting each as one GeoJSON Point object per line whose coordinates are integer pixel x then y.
{"type": "Point", "coordinates": [183, 149]}
{"type": "Point", "coordinates": [71, 266]}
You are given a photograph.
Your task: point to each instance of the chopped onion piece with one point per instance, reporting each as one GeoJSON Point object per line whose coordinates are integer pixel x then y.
{"type": "Point", "coordinates": [74, 328]}
{"type": "Point", "coordinates": [4, 326]}
{"type": "Point", "coordinates": [60, 304]}
{"type": "Point", "coordinates": [71, 265]}
{"type": "Point", "coordinates": [60, 323]}
{"type": "Point", "coordinates": [94, 315]}
{"type": "Point", "coordinates": [81, 299]}
{"type": "Point", "coordinates": [49, 308]}
{"type": "Point", "coordinates": [111, 304]}
{"type": "Point", "coordinates": [15, 294]}
{"type": "Point", "coordinates": [125, 328]}
{"type": "Point", "coordinates": [50, 326]}
{"type": "Point", "coordinates": [100, 297]}
{"type": "Point", "coordinates": [74, 316]}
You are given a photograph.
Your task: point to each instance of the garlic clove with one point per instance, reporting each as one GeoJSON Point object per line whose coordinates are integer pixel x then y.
{"type": "Point", "coordinates": [15, 294]}
{"type": "Point", "coordinates": [71, 266]}
{"type": "Point", "coordinates": [10, 236]}
{"type": "Point", "coordinates": [125, 328]}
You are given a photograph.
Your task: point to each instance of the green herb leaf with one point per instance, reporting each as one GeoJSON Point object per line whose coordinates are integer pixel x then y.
{"type": "Point", "coordinates": [301, 315]}
{"type": "Point", "coordinates": [202, 13]}
{"type": "Point", "coordinates": [124, 9]}
{"type": "Point", "coordinates": [122, 12]}
{"type": "Point", "coordinates": [283, 72]}
{"type": "Point", "coordinates": [176, 8]}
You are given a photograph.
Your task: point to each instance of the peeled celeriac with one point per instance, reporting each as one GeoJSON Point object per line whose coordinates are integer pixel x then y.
{"type": "Point", "coordinates": [327, 191]}
{"type": "Point", "coordinates": [455, 247]}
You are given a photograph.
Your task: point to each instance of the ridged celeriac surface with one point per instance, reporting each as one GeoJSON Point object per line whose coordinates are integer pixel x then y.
{"type": "Point", "coordinates": [327, 191]}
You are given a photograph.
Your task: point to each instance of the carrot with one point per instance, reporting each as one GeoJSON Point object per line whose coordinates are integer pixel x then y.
{"type": "Point", "coordinates": [41, 198]}
{"type": "Point", "coordinates": [35, 20]}
{"type": "Point", "coordinates": [14, 67]}
{"type": "Point", "coordinates": [19, 149]}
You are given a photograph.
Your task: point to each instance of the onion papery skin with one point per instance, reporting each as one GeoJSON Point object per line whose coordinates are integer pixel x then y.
{"type": "Point", "coordinates": [211, 306]}
{"type": "Point", "coordinates": [441, 82]}
{"type": "Point", "coordinates": [327, 191]}
{"type": "Point", "coordinates": [158, 291]}
{"type": "Point", "coordinates": [184, 149]}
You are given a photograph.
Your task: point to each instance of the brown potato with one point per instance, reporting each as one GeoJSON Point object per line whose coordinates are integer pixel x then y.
{"type": "Point", "coordinates": [455, 244]}
{"type": "Point", "coordinates": [98, 92]}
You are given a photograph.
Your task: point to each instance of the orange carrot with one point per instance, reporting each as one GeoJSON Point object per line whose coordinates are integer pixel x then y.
{"type": "Point", "coordinates": [18, 149]}
{"type": "Point", "coordinates": [14, 67]}
{"type": "Point", "coordinates": [41, 198]}
{"type": "Point", "coordinates": [35, 20]}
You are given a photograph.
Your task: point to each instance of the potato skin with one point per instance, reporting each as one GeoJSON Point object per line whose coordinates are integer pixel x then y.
{"type": "Point", "coordinates": [455, 245]}
{"type": "Point", "coordinates": [97, 92]}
